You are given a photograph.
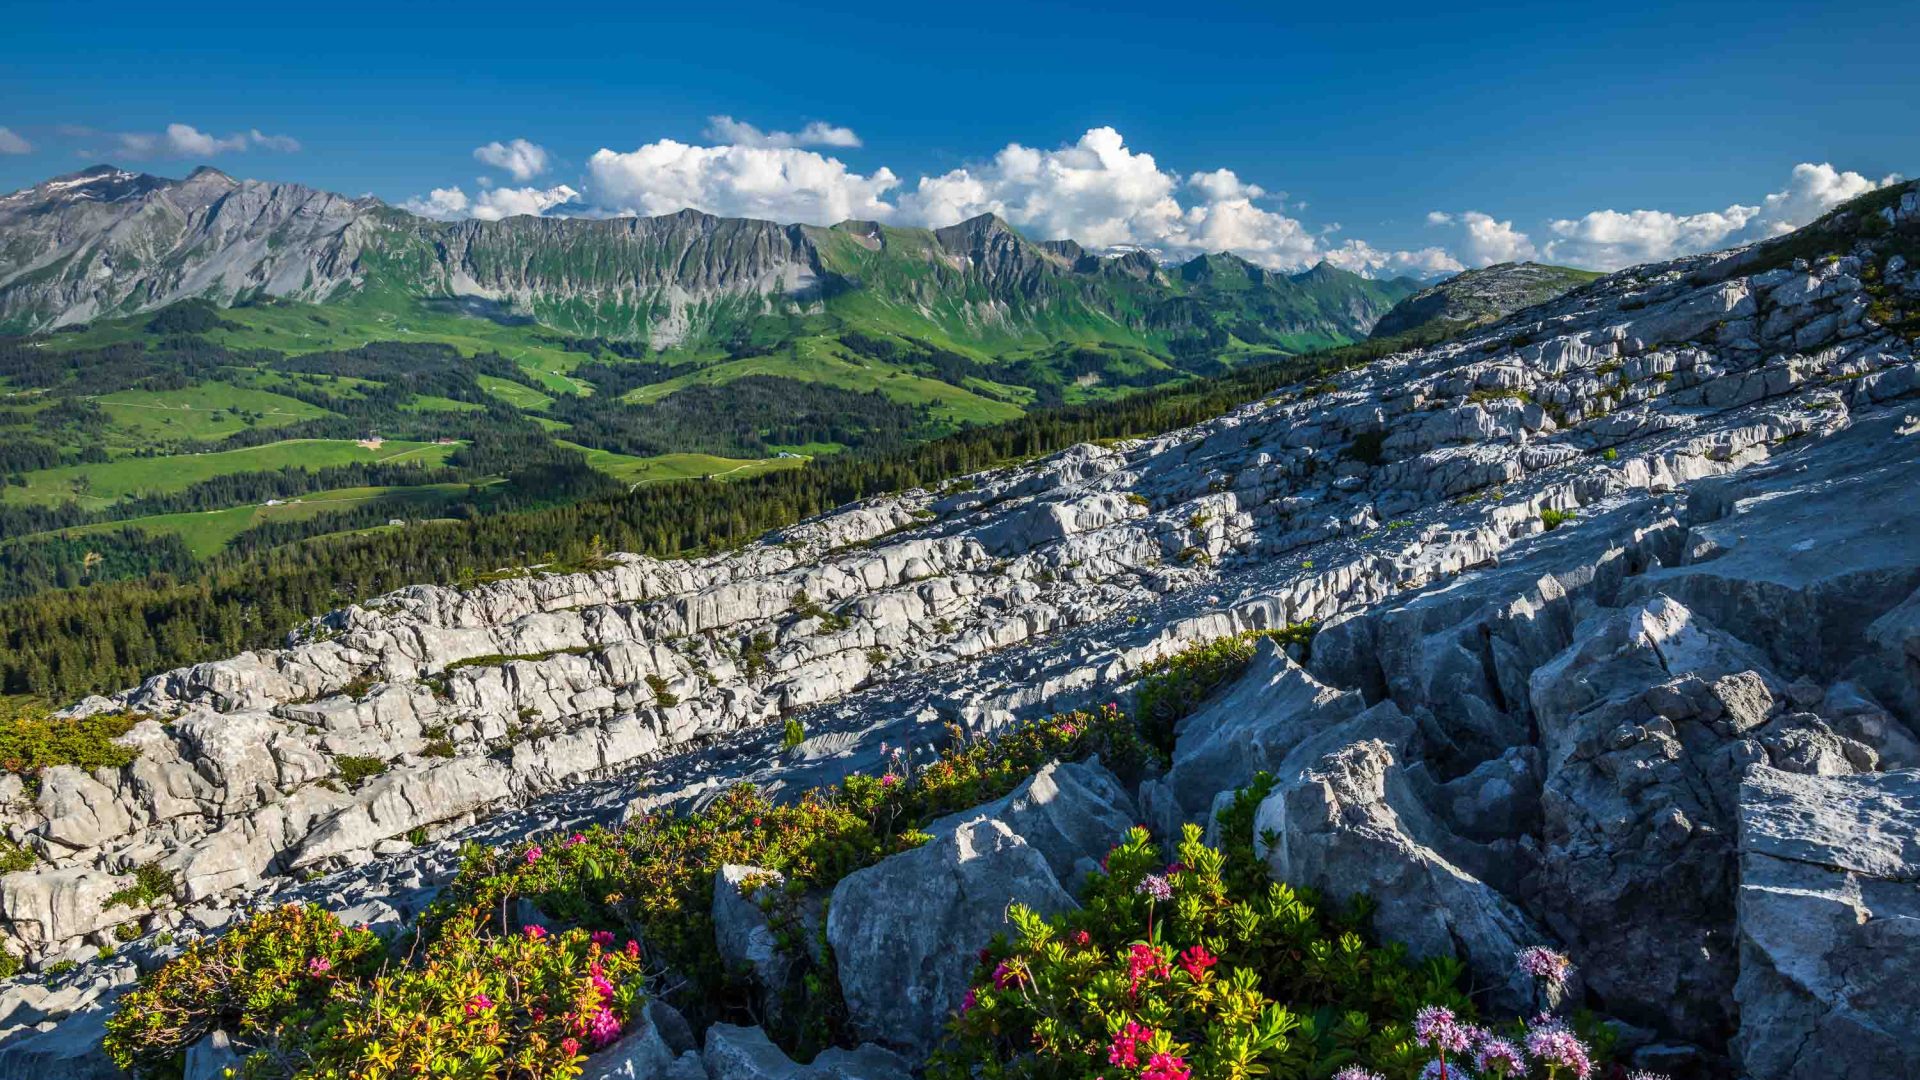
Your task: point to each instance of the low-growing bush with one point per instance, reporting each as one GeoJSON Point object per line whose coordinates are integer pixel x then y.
{"type": "Point", "coordinates": [792, 734]}
{"type": "Point", "coordinates": [32, 739]}
{"type": "Point", "coordinates": [1172, 970]}
{"type": "Point", "coordinates": [14, 858]}
{"type": "Point", "coordinates": [305, 997]}
{"type": "Point", "coordinates": [262, 982]}
{"type": "Point", "coordinates": [663, 697]}
{"type": "Point", "coordinates": [528, 1005]}
{"type": "Point", "coordinates": [354, 768]}
{"type": "Point", "coordinates": [653, 879]}
{"type": "Point", "coordinates": [1553, 519]}
{"type": "Point", "coordinates": [151, 884]}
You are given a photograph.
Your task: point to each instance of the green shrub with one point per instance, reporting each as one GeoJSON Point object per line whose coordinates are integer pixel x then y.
{"type": "Point", "coordinates": [1193, 968]}
{"type": "Point", "coordinates": [792, 734]}
{"type": "Point", "coordinates": [662, 696]}
{"type": "Point", "coordinates": [1487, 395]}
{"type": "Point", "coordinates": [61, 967]}
{"type": "Point", "coordinates": [9, 965]}
{"type": "Point", "coordinates": [528, 1005]}
{"type": "Point", "coordinates": [1172, 687]}
{"type": "Point", "coordinates": [755, 654]}
{"type": "Point", "coordinates": [354, 769]}
{"type": "Point", "coordinates": [14, 858]}
{"type": "Point", "coordinates": [32, 739]}
{"type": "Point", "coordinates": [1138, 499]}
{"type": "Point", "coordinates": [151, 884]}
{"type": "Point", "coordinates": [1610, 454]}
{"type": "Point", "coordinates": [1553, 519]}
{"type": "Point", "coordinates": [653, 880]}
{"type": "Point", "coordinates": [308, 998]}
{"type": "Point", "coordinates": [262, 982]}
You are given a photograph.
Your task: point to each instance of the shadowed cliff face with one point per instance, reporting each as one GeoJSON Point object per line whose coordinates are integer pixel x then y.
{"type": "Point", "coordinates": [107, 242]}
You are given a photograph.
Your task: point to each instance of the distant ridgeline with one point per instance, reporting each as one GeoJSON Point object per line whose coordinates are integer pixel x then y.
{"type": "Point", "coordinates": [106, 243]}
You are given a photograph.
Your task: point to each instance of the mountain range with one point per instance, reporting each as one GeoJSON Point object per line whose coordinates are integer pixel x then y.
{"type": "Point", "coordinates": [108, 242]}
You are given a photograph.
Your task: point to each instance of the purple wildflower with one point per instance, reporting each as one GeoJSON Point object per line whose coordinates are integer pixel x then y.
{"type": "Point", "coordinates": [1441, 1069]}
{"type": "Point", "coordinates": [1500, 1057]}
{"type": "Point", "coordinates": [1435, 1026]}
{"type": "Point", "coordinates": [1544, 964]}
{"type": "Point", "coordinates": [1355, 1072]}
{"type": "Point", "coordinates": [1154, 887]}
{"type": "Point", "coordinates": [1557, 1048]}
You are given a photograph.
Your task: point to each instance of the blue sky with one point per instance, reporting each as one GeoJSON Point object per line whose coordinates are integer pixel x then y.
{"type": "Point", "coordinates": [1393, 122]}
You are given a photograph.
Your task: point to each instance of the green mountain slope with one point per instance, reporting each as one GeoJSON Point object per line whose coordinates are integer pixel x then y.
{"type": "Point", "coordinates": [106, 242]}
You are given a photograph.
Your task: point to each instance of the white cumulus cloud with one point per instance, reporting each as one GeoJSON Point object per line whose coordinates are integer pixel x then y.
{"type": "Point", "coordinates": [286, 144]}
{"type": "Point", "coordinates": [502, 202]}
{"type": "Point", "coordinates": [186, 141]}
{"type": "Point", "coordinates": [1363, 258]}
{"type": "Point", "coordinates": [775, 183]}
{"type": "Point", "coordinates": [11, 143]}
{"type": "Point", "coordinates": [441, 203]}
{"type": "Point", "coordinates": [524, 160]}
{"type": "Point", "coordinates": [1611, 239]}
{"type": "Point", "coordinates": [727, 130]}
{"type": "Point", "coordinates": [1104, 194]}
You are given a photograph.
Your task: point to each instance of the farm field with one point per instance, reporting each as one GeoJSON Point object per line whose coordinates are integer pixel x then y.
{"type": "Point", "coordinates": [101, 484]}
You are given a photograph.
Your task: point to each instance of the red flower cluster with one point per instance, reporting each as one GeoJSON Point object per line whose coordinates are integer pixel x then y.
{"type": "Point", "coordinates": [1166, 1067]}
{"type": "Point", "coordinates": [1125, 1049]}
{"type": "Point", "coordinates": [1196, 961]}
{"type": "Point", "coordinates": [1142, 962]}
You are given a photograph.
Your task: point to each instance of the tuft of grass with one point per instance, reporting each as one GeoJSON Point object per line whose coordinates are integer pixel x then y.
{"type": "Point", "coordinates": [1553, 519]}
{"type": "Point", "coordinates": [354, 768]}
{"type": "Point", "coordinates": [663, 697]}
{"type": "Point", "coordinates": [152, 883]}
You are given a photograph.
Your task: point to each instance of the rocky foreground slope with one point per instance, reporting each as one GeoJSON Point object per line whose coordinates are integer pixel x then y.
{"type": "Point", "coordinates": [1618, 648]}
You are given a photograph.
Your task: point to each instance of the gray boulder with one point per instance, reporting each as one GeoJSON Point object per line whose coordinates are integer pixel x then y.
{"type": "Point", "coordinates": [1348, 821]}
{"type": "Point", "coordinates": [1072, 814]}
{"type": "Point", "coordinates": [211, 1058]}
{"type": "Point", "coordinates": [741, 1053]}
{"type": "Point", "coordinates": [1649, 719]}
{"type": "Point", "coordinates": [45, 907]}
{"type": "Point", "coordinates": [1250, 726]}
{"type": "Point", "coordinates": [745, 1053]}
{"type": "Point", "coordinates": [1829, 926]}
{"type": "Point", "coordinates": [69, 1050]}
{"type": "Point", "coordinates": [905, 930]}
{"type": "Point", "coordinates": [81, 812]}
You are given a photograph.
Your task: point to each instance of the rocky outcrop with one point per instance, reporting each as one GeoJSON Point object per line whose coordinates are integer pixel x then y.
{"type": "Point", "coordinates": [1480, 296]}
{"type": "Point", "coordinates": [905, 930]}
{"type": "Point", "coordinates": [1829, 923]}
